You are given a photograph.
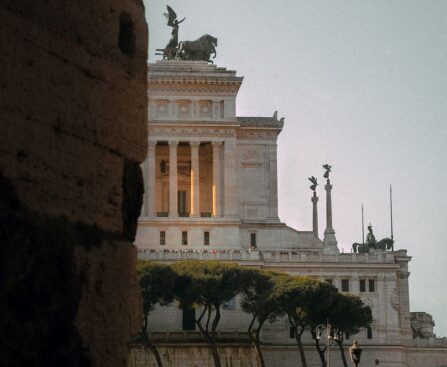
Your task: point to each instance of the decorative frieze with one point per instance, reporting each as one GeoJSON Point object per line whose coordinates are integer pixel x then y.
{"type": "Point", "coordinates": [257, 134]}
{"type": "Point", "coordinates": [191, 132]}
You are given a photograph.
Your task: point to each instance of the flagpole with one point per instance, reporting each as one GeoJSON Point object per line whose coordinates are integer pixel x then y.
{"type": "Point", "coordinates": [363, 228]}
{"type": "Point", "coordinates": [391, 211]}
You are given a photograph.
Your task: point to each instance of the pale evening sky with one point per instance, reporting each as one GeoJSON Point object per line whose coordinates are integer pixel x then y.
{"type": "Point", "coordinates": [362, 86]}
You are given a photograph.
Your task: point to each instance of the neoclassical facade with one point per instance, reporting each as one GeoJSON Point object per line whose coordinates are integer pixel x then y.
{"type": "Point", "coordinates": [211, 193]}
{"type": "Point", "coordinates": [211, 176]}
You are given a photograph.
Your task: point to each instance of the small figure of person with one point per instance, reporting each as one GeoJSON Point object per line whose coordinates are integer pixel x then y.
{"type": "Point", "coordinates": [370, 238]}
{"type": "Point", "coordinates": [355, 353]}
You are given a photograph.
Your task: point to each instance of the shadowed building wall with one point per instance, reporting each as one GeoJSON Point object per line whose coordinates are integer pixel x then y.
{"type": "Point", "coordinates": [73, 132]}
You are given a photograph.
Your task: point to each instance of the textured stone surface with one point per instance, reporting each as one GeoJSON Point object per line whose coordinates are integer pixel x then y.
{"type": "Point", "coordinates": [195, 355]}
{"type": "Point", "coordinates": [73, 107]}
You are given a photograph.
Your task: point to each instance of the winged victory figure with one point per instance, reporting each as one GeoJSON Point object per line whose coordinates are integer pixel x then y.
{"type": "Point", "coordinates": [173, 22]}
{"type": "Point", "coordinates": [313, 179]}
{"type": "Point", "coordinates": [327, 167]}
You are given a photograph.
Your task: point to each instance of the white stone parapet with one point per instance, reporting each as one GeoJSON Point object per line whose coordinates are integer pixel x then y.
{"type": "Point", "coordinates": [283, 256]}
{"type": "Point", "coordinates": [431, 342]}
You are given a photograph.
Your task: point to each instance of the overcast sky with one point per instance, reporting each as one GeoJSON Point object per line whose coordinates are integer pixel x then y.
{"type": "Point", "coordinates": [362, 86]}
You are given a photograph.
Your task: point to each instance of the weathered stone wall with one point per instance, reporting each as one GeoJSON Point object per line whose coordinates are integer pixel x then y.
{"type": "Point", "coordinates": [73, 104]}
{"type": "Point", "coordinates": [73, 112]}
{"type": "Point", "coordinates": [190, 355]}
{"type": "Point", "coordinates": [194, 355]}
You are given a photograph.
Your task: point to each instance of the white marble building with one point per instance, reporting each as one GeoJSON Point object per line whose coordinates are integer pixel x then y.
{"type": "Point", "coordinates": [211, 193]}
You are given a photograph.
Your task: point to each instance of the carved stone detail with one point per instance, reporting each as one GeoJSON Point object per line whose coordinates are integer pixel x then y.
{"type": "Point", "coordinates": [206, 109]}
{"type": "Point", "coordinates": [224, 90]}
{"type": "Point", "coordinates": [184, 108]}
{"type": "Point", "coordinates": [257, 134]}
{"type": "Point", "coordinates": [185, 131]}
{"type": "Point", "coordinates": [395, 302]}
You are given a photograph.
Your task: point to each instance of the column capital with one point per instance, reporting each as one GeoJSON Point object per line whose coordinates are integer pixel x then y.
{"type": "Point", "coordinates": [173, 143]}
{"type": "Point", "coordinates": [152, 144]}
{"type": "Point", "coordinates": [194, 144]}
{"type": "Point", "coordinates": [216, 144]}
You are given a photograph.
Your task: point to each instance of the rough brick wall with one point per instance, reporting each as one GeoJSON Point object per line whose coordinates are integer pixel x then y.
{"type": "Point", "coordinates": [73, 113]}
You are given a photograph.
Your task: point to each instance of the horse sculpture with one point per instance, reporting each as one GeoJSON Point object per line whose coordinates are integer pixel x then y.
{"type": "Point", "coordinates": [384, 244]}
{"type": "Point", "coordinates": [199, 50]}
{"type": "Point", "coordinates": [371, 243]}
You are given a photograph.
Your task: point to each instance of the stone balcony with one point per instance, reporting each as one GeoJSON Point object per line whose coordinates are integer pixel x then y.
{"type": "Point", "coordinates": [267, 256]}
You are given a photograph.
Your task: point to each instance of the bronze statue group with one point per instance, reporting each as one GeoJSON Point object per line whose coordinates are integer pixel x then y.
{"type": "Point", "coordinates": [199, 50]}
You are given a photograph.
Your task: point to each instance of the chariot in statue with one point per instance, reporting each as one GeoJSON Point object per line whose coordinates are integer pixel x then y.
{"type": "Point", "coordinates": [202, 49]}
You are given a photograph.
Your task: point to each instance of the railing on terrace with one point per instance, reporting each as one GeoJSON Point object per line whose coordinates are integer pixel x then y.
{"type": "Point", "coordinates": [266, 256]}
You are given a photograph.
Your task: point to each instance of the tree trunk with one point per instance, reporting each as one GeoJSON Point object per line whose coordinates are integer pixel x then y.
{"type": "Point", "coordinates": [256, 341]}
{"type": "Point", "coordinates": [215, 354]}
{"type": "Point", "coordinates": [342, 352]}
{"type": "Point", "coordinates": [154, 351]}
{"type": "Point", "coordinates": [210, 338]}
{"type": "Point", "coordinates": [146, 340]}
{"type": "Point", "coordinates": [259, 354]}
{"type": "Point", "coordinates": [321, 353]}
{"type": "Point", "coordinates": [300, 346]}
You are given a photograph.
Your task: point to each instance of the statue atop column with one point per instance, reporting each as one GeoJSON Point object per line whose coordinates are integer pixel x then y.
{"type": "Point", "coordinates": [199, 50]}
{"type": "Point", "coordinates": [314, 200]}
{"type": "Point", "coordinates": [314, 185]}
{"type": "Point", "coordinates": [327, 167]}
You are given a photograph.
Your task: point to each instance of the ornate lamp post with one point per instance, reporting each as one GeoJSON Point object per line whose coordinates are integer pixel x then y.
{"type": "Point", "coordinates": [330, 331]}
{"type": "Point", "coordinates": [355, 352]}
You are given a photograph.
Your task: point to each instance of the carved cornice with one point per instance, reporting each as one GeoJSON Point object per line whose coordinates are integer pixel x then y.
{"type": "Point", "coordinates": [191, 132]}
{"type": "Point", "coordinates": [166, 86]}
{"type": "Point", "coordinates": [257, 134]}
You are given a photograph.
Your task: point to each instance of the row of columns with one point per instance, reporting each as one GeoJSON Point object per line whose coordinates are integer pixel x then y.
{"type": "Point", "coordinates": [229, 158]}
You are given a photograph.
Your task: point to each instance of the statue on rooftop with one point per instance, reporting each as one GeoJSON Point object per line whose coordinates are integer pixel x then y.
{"type": "Point", "coordinates": [371, 243]}
{"type": "Point", "coordinates": [170, 51]}
{"type": "Point", "coordinates": [370, 238]}
{"type": "Point", "coordinates": [199, 50]}
{"type": "Point", "coordinates": [171, 16]}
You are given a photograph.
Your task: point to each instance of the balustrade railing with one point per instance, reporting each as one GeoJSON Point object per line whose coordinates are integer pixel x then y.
{"type": "Point", "coordinates": [267, 256]}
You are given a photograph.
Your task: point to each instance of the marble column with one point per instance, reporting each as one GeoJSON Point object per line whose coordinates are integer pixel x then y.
{"type": "Point", "coordinates": [150, 180]}
{"type": "Point", "coordinates": [195, 179]}
{"type": "Point", "coordinates": [217, 209]}
{"type": "Point", "coordinates": [330, 242]}
{"type": "Point", "coordinates": [173, 199]}
{"type": "Point", "coordinates": [230, 204]}
{"type": "Point", "coordinates": [315, 215]}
